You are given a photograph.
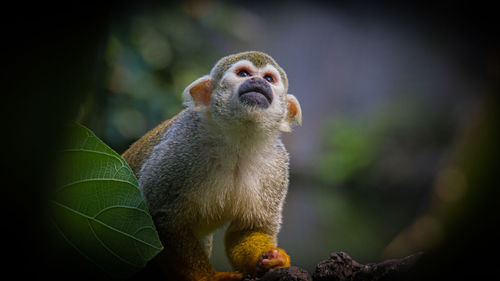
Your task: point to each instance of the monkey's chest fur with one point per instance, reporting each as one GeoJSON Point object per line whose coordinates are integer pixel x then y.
{"type": "Point", "coordinates": [208, 182]}
{"type": "Point", "coordinates": [231, 189]}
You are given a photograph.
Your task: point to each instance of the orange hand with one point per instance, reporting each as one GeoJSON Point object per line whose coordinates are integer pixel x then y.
{"type": "Point", "coordinates": [274, 258]}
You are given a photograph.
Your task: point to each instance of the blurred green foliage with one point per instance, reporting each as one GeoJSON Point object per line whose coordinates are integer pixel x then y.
{"type": "Point", "coordinates": [354, 142]}
{"type": "Point", "coordinates": [349, 147]}
{"type": "Point", "coordinates": [151, 56]}
{"type": "Point", "coordinates": [373, 171]}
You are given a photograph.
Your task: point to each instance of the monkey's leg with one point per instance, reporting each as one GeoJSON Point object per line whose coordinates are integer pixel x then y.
{"type": "Point", "coordinates": [254, 252]}
{"type": "Point", "coordinates": [185, 258]}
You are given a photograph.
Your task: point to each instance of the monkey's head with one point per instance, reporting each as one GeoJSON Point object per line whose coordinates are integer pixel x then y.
{"type": "Point", "coordinates": [244, 89]}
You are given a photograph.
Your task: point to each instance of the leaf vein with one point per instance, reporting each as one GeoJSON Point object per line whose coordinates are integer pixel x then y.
{"type": "Point", "coordinates": [93, 151]}
{"type": "Point", "coordinates": [108, 226]}
{"type": "Point", "coordinates": [107, 248]}
{"type": "Point", "coordinates": [120, 206]}
{"type": "Point", "coordinates": [74, 246]}
{"type": "Point", "coordinates": [96, 179]}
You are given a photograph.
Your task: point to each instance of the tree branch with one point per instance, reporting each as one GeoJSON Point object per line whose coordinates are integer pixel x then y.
{"type": "Point", "coordinates": [341, 267]}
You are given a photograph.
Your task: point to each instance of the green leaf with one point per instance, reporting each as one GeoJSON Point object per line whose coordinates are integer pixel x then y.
{"type": "Point", "coordinates": [98, 208]}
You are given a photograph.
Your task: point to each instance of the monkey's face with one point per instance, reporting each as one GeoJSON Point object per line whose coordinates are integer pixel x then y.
{"type": "Point", "coordinates": [240, 92]}
{"type": "Point", "coordinates": [253, 86]}
{"type": "Point", "coordinates": [248, 93]}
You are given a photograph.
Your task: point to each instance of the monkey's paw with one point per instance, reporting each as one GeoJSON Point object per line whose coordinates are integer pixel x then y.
{"type": "Point", "coordinates": [228, 276]}
{"type": "Point", "coordinates": [274, 258]}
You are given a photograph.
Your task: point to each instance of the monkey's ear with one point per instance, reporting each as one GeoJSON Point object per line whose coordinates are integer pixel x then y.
{"type": "Point", "coordinates": [293, 114]}
{"type": "Point", "coordinates": [197, 94]}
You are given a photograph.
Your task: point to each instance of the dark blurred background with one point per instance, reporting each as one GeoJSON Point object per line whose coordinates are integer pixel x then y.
{"type": "Point", "coordinates": [387, 91]}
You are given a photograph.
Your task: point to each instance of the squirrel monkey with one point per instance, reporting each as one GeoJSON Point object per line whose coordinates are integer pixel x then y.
{"type": "Point", "coordinates": [221, 160]}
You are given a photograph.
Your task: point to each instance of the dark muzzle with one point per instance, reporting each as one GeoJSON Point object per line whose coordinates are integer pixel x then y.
{"type": "Point", "coordinates": [256, 92]}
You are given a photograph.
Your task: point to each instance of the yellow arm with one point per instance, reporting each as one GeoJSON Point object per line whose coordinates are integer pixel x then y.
{"type": "Point", "coordinates": [245, 248]}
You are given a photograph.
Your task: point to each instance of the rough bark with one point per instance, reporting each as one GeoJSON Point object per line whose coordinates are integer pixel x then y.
{"type": "Point", "coordinates": [341, 267]}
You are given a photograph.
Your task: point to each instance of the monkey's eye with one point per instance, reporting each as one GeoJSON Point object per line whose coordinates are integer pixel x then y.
{"type": "Point", "coordinates": [269, 78]}
{"type": "Point", "coordinates": [243, 73]}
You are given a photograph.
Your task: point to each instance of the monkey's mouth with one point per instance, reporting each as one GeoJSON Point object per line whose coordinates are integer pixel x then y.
{"type": "Point", "coordinates": [255, 92]}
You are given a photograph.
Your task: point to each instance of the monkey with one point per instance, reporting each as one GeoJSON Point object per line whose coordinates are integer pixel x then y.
{"type": "Point", "coordinates": [221, 160]}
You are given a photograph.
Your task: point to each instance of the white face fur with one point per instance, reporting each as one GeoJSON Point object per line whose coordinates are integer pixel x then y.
{"type": "Point", "coordinates": [221, 101]}
{"type": "Point", "coordinates": [232, 76]}
{"type": "Point", "coordinates": [227, 92]}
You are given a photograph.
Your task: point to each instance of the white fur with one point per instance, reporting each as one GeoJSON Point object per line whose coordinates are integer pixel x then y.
{"type": "Point", "coordinates": [240, 169]}
{"type": "Point", "coordinates": [278, 86]}
{"type": "Point", "coordinates": [233, 189]}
